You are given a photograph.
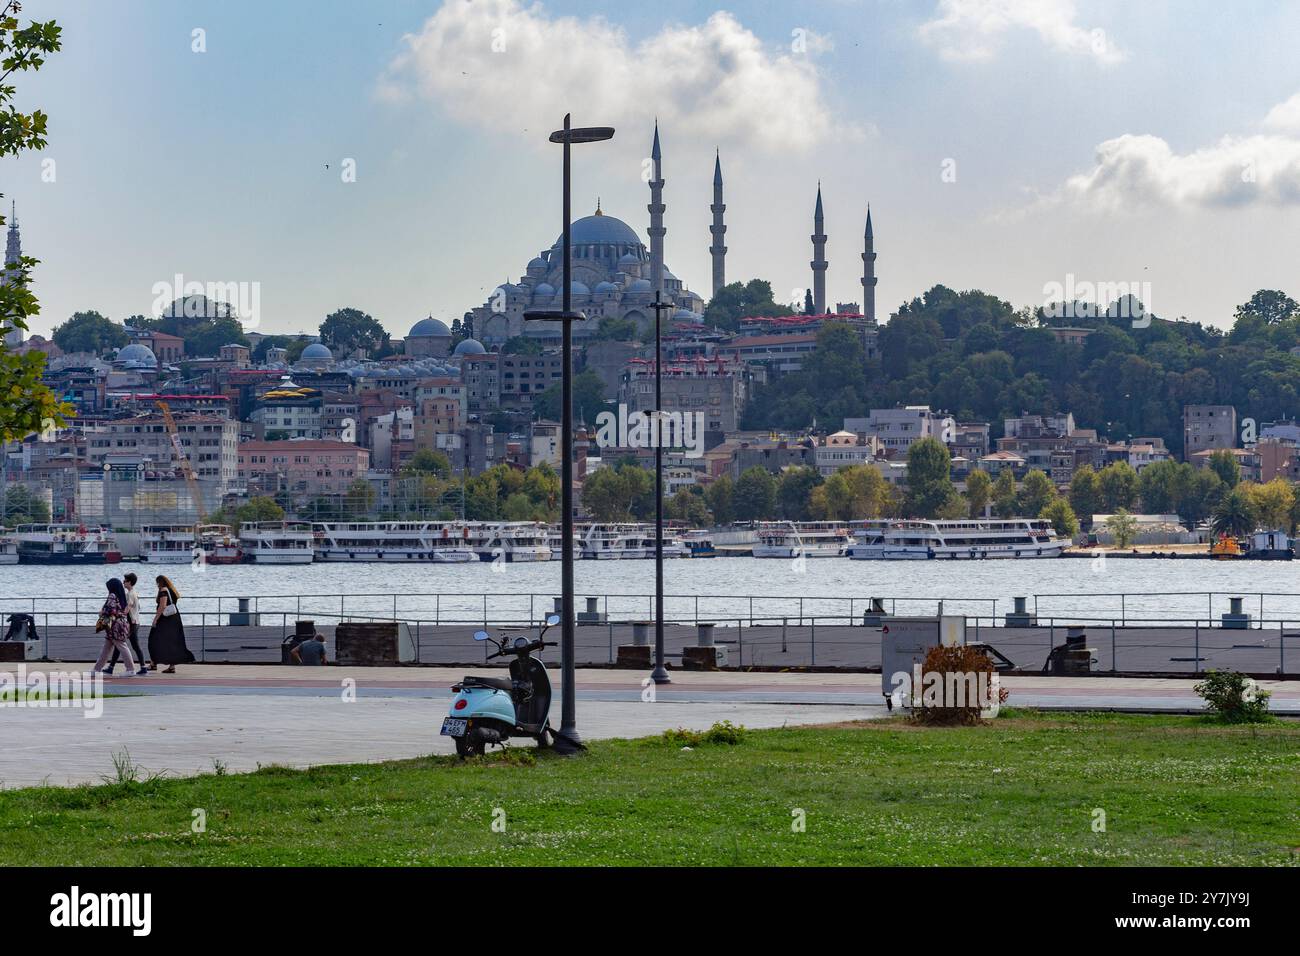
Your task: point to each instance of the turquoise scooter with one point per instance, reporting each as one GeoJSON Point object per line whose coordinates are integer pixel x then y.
{"type": "Point", "coordinates": [490, 710]}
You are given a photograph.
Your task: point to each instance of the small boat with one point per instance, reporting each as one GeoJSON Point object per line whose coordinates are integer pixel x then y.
{"type": "Point", "coordinates": [278, 542]}
{"type": "Point", "coordinates": [509, 540]}
{"type": "Point", "coordinates": [699, 544]}
{"type": "Point", "coordinates": [8, 548]}
{"type": "Point", "coordinates": [168, 544]}
{"type": "Point", "coordinates": [1226, 549]}
{"type": "Point", "coordinates": [219, 544]}
{"type": "Point", "coordinates": [391, 541]}
{"type": "Point", "coordinates": [1274, 545]}
{"type": "Point", "coordinates": [65, 544]}
{"type": "Point", "coordinates": [976, 539]}
{"type": "Point", "coordinates": [813, 539]}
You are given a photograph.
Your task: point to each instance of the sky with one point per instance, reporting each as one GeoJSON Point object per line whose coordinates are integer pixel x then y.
{"type": "Point", "coordinates": [391, 155]}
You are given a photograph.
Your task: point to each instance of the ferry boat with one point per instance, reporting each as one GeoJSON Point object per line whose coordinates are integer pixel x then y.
{"type": "Point", "coordinates": [278, 542]}
{"type": "Point", "coordinates": [812, 539]}
{"type": "Point", "coordinates": [400, 541]}
{"type": "Point", "coordinates": [555, 541]}
{"type": "Point", "coordinates": [168, 544]}
{"type": "Point", "coordinates": [614, 542]}
{"type": "Point", "coordinates": [65, 544]}
{"type": "Point", "coordinates": [917, 540]}
{"type": "Point", "coordinates": [673, 545]}
{"type": "Point", "coordinates": [8, 548]}
{"type": "Point", "coordinates": [510, 540]}
{"type": "Point", "coordinates": [219, 544]}
{"type": "Point", "coordinates": [699, 544]}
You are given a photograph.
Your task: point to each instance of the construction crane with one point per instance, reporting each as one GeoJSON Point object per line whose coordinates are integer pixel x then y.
{"type": "Point", "coordinates": [195, 494]}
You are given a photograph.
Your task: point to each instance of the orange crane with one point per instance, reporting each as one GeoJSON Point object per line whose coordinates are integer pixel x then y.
{"type": "Point", "coordinates": [195, 494]}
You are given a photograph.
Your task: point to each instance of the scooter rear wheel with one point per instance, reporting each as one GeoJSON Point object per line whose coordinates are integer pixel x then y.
{"type": "Point", "coordinates": [471, 745]}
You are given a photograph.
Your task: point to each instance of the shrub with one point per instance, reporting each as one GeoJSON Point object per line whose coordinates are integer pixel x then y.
{"type": "Point", "coordinates": [951, 700]}
{"type": "Point", "coordinates": [1233, 698]}
{"type": "Point", "coordinates": [724, 732]}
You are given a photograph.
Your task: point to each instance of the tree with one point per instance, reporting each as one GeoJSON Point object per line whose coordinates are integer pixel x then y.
{"type": "Point", "coordinates": [688, 505]}
{"type": "Point", "coordinates": [426, 461]}
{"type": "Point", "coordinates": [207, 338]}
{"type": "Point", "coordinates": [738, 300]}
{"type": "Point", "coordinates": [754, 497]}
{"type": "Point", "coordinates": [1122, 527]}
{"type": "Point", "coordinates": [929, 486]}
{"type": "Point", "coordinates": [23, 507]}
{"type": "Point", "coordinates": [979, 490]}
{"type": "Point", "coordinates": [588, 399]}
{"type": "Point", "coordinates": [360, 497]}
{"type": "Point", "coordinates": [1059, 512]}
{"type": "Point", "coordinates": [1119, 486]}
{"type": "Point", "coordinates": [1224, 464]}
{"type": "Point", "coordinates": [350, 330]}
{"type": "Point", "coordinates": [1161, 486]}
{"type": "Point", "coordinates": [1004, 494]}
{"type": "Point", "coordinates": [521, 345]}
{"type": "Point", "coordinates": [793, 490]}
{"type": "Point", "coordinates": [618, 493]}
{"type": "Point", "coordinates": [614, 329]}
{"type": "Point", "coordinates": [90, 332]}
{"type": "Point", "coordinates": [718, 496]}
{"type": "Point", "coordinates": [1085, 493]}
{"type": "Point", "coordinates": [1271, 503]}
{"type": "Point", "coordinates": [1036, 492]}
{"type": "Point", "coordinates": [29, 405]}
{"type": "Point", "coordinates": [1234, 516]}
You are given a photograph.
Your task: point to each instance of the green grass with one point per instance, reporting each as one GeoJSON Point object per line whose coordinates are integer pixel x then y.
{"type": "Point", "coordinates": [1021, 790]}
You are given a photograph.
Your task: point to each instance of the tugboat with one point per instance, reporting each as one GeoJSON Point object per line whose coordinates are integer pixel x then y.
{"type": "Point", "coordinates": [1272, 545]}
{"type": "Point", "coordinates": [1226, 549]}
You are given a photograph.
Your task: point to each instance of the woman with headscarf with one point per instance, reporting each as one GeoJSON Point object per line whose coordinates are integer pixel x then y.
{"type": "Point", "coordinates": [115, 626]}
{"type": "Point", "coordinates": [167, 635]}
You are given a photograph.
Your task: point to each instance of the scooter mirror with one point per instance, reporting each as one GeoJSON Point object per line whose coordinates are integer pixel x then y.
{"type": "Point", "coordinates": [481, 636]}
{"type": "Point", "coordinates": [552, 620]}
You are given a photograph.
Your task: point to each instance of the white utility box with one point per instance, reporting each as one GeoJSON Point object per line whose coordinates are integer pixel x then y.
{"type": "Point", "coordinates": [904, 642]}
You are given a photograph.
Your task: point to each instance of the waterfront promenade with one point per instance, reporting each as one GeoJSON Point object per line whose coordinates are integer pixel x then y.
{"type": "Point", "coordinates": [239, 717]}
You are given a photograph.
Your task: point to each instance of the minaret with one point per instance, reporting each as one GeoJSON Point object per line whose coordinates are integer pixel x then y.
{"type": "Point", "coordinates": [819, 258]}
{"type": "Point", "coordinates": [869, 273]}
{"type": "Point", "coordinates": [718, 251]}
{"type": "Point", "coordinates": [13, 337]}
{"type": "Point", "coordinates": [656, 209]}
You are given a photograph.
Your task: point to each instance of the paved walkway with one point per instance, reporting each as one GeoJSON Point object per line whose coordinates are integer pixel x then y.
{"type": "Point", "coordinates": [240, 716]}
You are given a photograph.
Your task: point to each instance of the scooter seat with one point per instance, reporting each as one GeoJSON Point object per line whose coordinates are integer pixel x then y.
{"type": "Point", "coordinates": [498, 683]}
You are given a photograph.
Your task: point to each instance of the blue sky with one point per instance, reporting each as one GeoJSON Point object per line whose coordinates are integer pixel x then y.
{"type": "Point", "coordinates": [212, 164]}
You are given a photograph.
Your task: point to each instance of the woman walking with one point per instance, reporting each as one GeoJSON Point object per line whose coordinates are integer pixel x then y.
{"type": "Point", "coordinates": [133, 618]}
{"type": "Point", "coordinates": [115, 627]}
{"type": "Point", "coordinates": [167, 635]}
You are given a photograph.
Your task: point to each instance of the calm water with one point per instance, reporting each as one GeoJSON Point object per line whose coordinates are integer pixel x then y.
{"type": "Point", "coordinates": [721, 589]}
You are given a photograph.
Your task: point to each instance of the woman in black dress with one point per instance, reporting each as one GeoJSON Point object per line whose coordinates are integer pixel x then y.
{"type": "Point", "coordinates": [167, 635]}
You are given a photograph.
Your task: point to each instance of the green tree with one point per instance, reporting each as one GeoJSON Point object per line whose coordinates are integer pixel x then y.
{"type": "Point", "coordinates": [1224, 464]}
{"type": "Point", "coordinates": [1036, 492]}
{"type": "Point", "coordinates": [794, 489]}
{"type": "Point", "coordinates": [588, 399]}
{"type": "Point", "coordinates": [1004, 494]}
{"type": "Point", "coordinates": [718, 496]}
{"type": "Point", "coordinates": [1271, 503]}
{"type": "Point", "coordinates": [1119, 486]}
{"type": "Point", "coordinates": [1122, 527]}
{"type": "Point", "coordinates": [1086, 498]}
{"type": "Point", "coordinates": [360, 497]}
{"type": "Point", "coordinates": [738, 300]}
{"type": "Point", "coordinates": [979, 491]}
{"type": "Point", "coordinates": [618, 493]}
{"type": "Point", "coordinates": [29, 406]}
{"type": "Point", "coordinates": [207, 338]}
{"type": "Point", "coordinates": [614, 329]}
{"type": "Point", "coordinates": [689, 506]}
{"type": "Point", "coordinates": [521, 345]}
{"type": "Point", "coordinates": [929, 485]}
{"type": "Point", "coordinates": [427, 461]}
{"type": "Point", "coordinates": [1059, 512]}
{"type": "Point", "coordinates": [90, 332]}
{"type": "Point", "coordinates": [23, 507]}
{"type": "Point", "coordinates": [348, 330]}
{"type": "Point", "coordinates": [1234, 515]}
{"type": "Point", "coordinates": [754, 497]}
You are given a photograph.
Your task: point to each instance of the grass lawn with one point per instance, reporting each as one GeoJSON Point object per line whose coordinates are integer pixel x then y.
{"type": "Point", "coordinates": [1021, 790]}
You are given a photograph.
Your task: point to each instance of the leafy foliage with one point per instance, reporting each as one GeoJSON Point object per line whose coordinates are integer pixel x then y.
{"type": "Point", "coordinates": [1232, 698]}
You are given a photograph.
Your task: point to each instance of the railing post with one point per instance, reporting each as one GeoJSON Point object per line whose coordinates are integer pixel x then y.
{"type": "Point", "coordinates": [697, 610]}
{"type": "Point", "coordinates": [394, 608]}
{"type": "Point", "coordinates": [813, 633]}
{"type": "Point", "coordinates": [1123, 613]}
{"type": "Point", "coordinates": [784, 648]}
{"type": "Point", "coordinates": [1196, 652]}
{"type": "Point", "coordinates": [203, 637]}
{"type": "Point", "coordinates": [485, 623]}
{"type": "Point", "coordinates": [1114, 666]}
{"type": "Point", "coordinates": [437, 610]}
{"type": "Point", "coordinates": [740, 639]}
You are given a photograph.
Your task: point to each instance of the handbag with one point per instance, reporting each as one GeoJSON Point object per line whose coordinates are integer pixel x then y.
{"type": "Point", "coordinates": [101, 625]}
{"type": "Point", "coordinates": [169, 611]}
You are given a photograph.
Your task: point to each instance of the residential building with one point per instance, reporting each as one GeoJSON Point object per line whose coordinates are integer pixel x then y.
{"type": "Point", "coordinates": [209, 442]}
{"type": "Point", "coordinates": [304, 466]}
{"type": "Point", "coordinates": [899, 428]}
{"type": "Point", "coordinates": [843, 449]}
{"type": "Point", "coordinates": [1208, 427]}
{"type": "Point", "coordinates": [715, 390]}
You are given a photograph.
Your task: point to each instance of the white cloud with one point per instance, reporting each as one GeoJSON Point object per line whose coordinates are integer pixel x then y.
{"type": "Point", "coordinates": [499, 64]}
{"type": "Point", "coordinates": [972, 29]}
{"type": "Point", "coordinates": [1143, 170]}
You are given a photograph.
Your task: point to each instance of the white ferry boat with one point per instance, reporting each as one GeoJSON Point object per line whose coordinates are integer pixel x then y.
{"type": "Point", "coordinates": [65, 544]}
{"type": "Point", "coordinates": [913, 540]}
{"type": "Point", "coordinates": [8, 548]}
{"type": "Point", "coordinates": [555, 541]}
{"type": "Point", "coordinates": [219, 544]}
{"type": "Point", "coordinates": [278, 542]}
{"type": "Point", "coordinates": [167, 544]}
{"type": "Point", "coordinates": [674, 547]}
{"type": "Point", "coordinates": [510, 540]}
{"type": "Point", "coordinates": [810, 539]}
{"type": "Point", "coordinates": [699, 544]}
{"type": "Point", "coordinates": [404, 541]}
{"type": "Point", "coordinates": [614, 542]}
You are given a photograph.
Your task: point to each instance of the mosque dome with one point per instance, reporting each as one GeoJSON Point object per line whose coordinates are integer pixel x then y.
{"type": "Point", "coordinates": [429, 328]}
{"type": "Point", "coordinates": [136, 355]}
{"type": "Point", "coordinates": [600, 229]}
{"type": "Point", "coordinates": [544, 290]}
{"type": "Point", "coordinates": [317, 352]}
{"type": "Point", "coordinates": [470, 347]}
{"type": "Point", "coordinates": [578, 288]}
{"type": "Point", "coordinates": [537, 267]}
{"type": "Point", "coordinates": [605, 288]}
{"type": "Point", "coordinates": [628, 260]}
{"type": "Point", "coordinates": [640, 285]}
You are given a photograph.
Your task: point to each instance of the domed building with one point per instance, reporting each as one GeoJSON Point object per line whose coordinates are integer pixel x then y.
{"type": "Point", "coordinates": [136, 357]}
{"type": "Point", "coordinates": [469, 347]}
{"type": "Point", "coordinates": [316, 355]}
{"type": "Point", "coordinates": [613, 273]}
{"type": "Point", "coordinates": [428, 338]}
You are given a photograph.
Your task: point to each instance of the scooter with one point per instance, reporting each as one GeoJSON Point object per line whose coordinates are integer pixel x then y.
{"type": "Point", "coordinates": [490, 710]}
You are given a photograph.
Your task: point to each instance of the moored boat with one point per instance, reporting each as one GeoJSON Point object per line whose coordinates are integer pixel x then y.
{"type": "Point", "coordinates": [920, 540]}
{"type": "Point", "coordinates": [168, 544]}
{"type": "Point", "coordinates": [812, 539]}
{"type": "Point", "coordinates": [278, 542]}
{"type": "Point", "coordinates": [65, 544]}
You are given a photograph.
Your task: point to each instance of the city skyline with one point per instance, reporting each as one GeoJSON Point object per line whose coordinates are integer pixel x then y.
{"type": "Point", "coordinates": [1005, 147]}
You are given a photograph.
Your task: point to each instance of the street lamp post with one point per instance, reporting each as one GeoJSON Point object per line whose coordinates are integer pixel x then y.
{"type": "Point", "coordinates": [567, 741]}
{"type": "Point", "coordinates": [660, 674]}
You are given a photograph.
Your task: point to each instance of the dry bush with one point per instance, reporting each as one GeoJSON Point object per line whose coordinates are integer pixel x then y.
{"type": "Point", "coordinates": [959, 703]}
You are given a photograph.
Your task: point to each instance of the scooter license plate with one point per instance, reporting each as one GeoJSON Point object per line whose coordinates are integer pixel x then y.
{"type": "Point", "coordinates": [451, 727]}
